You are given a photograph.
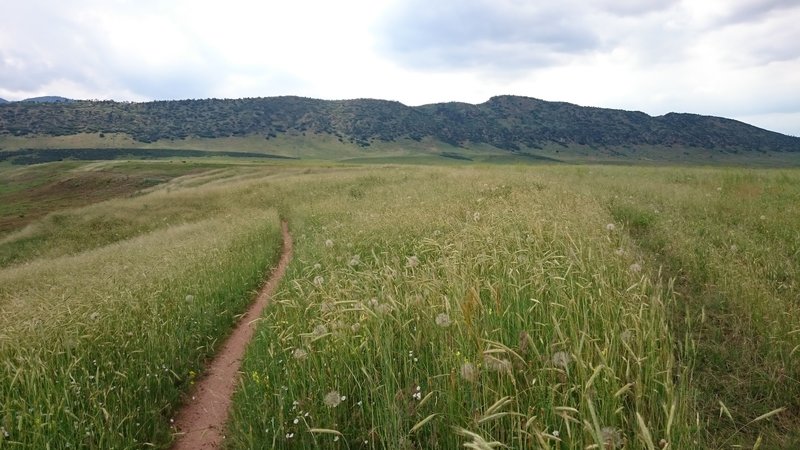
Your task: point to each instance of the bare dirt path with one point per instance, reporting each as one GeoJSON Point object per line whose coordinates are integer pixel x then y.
{"type": "Point", "coordinates": [201, 422]}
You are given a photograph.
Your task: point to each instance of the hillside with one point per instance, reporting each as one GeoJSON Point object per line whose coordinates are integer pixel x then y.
{"type": "Point", "coordinates": [48, 99]}
{"type": "Point", "coordinates": [510, 123]}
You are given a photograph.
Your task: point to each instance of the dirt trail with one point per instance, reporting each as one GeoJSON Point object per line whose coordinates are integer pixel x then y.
{"type": "Point", "coordinates": [201, 422]}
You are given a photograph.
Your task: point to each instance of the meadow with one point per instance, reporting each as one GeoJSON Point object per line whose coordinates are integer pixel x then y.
{"type": "Point", "coordinates": [544, 306]}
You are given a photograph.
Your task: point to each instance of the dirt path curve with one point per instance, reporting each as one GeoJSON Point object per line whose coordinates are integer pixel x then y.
{"type": "Point", "coordinates": [201, 422]}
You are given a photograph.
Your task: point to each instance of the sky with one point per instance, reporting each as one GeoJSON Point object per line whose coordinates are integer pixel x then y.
{"type": "Point", "coordinates": [730, 58]}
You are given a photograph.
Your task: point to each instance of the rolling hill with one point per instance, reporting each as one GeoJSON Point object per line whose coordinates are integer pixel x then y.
{"type": "Point", "coordinates": [510, 124]}
{"type": "Point", "coordinates": [48, 99]}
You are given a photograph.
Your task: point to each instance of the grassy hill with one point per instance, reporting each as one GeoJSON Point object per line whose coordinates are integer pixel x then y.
{"type": "Point", "coordinates": [505, 125]}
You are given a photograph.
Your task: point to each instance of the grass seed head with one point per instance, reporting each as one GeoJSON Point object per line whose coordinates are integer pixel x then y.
{"type": "Point", "coordinates": [332, 399]}
{"type": "Point", "coordinates": [443, 320]}
{"type": "Point", "coordinates": [469, 372]}
{"type": "Point", "coordinates": [561, 359]}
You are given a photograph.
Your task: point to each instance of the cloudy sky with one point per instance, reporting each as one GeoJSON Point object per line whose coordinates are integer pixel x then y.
{"type": "Point", "coordinates": [732, 58]}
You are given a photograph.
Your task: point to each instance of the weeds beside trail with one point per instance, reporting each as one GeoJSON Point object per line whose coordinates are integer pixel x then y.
{"type": "Point", "coordinates": [482, 313]}
{"type": "Point", "coordinates": [200, 423]}
{"type": "Point", "coordinates": [568, 307]}
{"type": "Point", "coordinates": [97, 347]}
{"type": "Point", "coordinates": [731, 238]}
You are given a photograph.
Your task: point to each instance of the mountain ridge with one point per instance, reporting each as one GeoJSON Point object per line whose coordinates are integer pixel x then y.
{"type": "Point", "coordinates": [510, 123]}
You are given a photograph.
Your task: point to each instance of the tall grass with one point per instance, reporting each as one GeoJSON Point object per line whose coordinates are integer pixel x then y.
{"type": "Point", "coordinates": [97, 346]}
{"type": "Point", "coordinates": [483, 314]}
{"type": "Point", "coordinates": [426, 307]}
{"type": "Point", "coordinates": [731, 240]}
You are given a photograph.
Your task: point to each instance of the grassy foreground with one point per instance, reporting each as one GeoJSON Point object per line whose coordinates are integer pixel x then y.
{"type": "Point", "coordinates": [102, 334]}
{"type": "Point", "coordinates": [435, 308]}
{"type": "Point", "coordinates": [426, 307]}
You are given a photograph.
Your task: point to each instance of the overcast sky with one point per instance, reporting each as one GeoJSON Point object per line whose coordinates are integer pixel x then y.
{"type": "Point", "coordinates": [732, 58]}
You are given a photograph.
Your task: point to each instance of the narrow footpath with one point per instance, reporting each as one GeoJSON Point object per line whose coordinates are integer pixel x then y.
{"type": "Point", "coordinates": [200, 424]}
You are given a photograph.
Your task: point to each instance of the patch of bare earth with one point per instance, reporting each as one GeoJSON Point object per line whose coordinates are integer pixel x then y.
{"type": "Point", "coordinates": [200, 423]}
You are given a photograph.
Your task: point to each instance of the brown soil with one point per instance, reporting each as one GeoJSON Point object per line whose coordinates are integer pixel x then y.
{"type": "Point", "coordinates": [38, 194]}
{"type": "Point", "coordinates": [200, 424]}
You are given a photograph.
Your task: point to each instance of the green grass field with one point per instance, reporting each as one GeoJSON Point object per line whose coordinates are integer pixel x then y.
{"type": "Point", "coordinates": [546, 306]}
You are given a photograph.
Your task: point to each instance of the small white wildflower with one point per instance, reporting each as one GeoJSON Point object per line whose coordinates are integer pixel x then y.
{"type": "Point", "coordinates": [318, 280]}
{"type": "Point", "coordinates": [763, 217]}
{"type": "Point", "coordinates": [336, 438]}
{"type": "Point", "coordinates": [328, 243]}
{"type": "Point", "coordinates": [635, 268]}
{"type": "Point", "coordinates": [289, 435]}
{"type": "Point", "coordinates": [94, 315]}
{"type": "Point", "coordinates": [561, 359]}
{"type": "Point", "coordinates": [611, 227]}
{"type": "Point", "coordinates": [332, 399]}
{"type": "Point", "coordinates": [556, 433]}
{"type": "Point", "coordinates": [317, 266]}
{"type": "Point", "coordinates": [476, 216]}
{"type": "Point", "coordinates": [412, 261]}
{"type": "Point", "coordinates": [443, 320]}
{"type": "Point", "coordinates": [354, 261]}
{"type": "Point", "coordinates": [299, 354]}
{"type": "Point", "coordinates": [296, 421]}
{"type": "Point", "coordinates": [190, 298]}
